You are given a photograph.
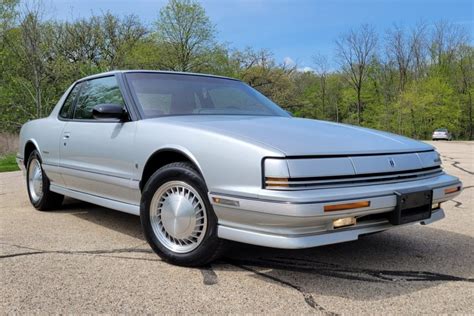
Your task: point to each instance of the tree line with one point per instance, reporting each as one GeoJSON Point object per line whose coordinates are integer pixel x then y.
{"type": "Point", "coordinates": [407, 80]}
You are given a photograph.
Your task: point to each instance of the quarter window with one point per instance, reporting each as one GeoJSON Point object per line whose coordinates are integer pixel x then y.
{"type": "Point", "coordinates": [68, 105]}
{"type": "Point", "coordinates": [97, 91]}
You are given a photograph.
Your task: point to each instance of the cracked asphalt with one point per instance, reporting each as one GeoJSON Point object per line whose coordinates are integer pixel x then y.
{"type": "Point", "coordinates": [88, 259]}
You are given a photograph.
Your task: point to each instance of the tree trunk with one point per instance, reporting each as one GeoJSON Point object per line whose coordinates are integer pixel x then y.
{"type": "Point", "coordinates": [470, 116]}
{"type": "Point", "coordinates": [359, 105]}
{"type": "Point", "coordinates": [37, 93]}
{"type": "Point", "coordinates": [323, 96]}
{"type": "Point", "coordinates": [413, 120]}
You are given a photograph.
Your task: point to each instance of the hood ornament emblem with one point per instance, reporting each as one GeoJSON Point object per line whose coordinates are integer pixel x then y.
{"type": "Point", "coordinates": [392, 162]}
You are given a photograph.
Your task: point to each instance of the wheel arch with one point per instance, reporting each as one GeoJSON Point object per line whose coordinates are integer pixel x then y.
{"type": "Point", "coordinates": [164, 156]}
{"type": "Point", "coordinates": [30, 145]}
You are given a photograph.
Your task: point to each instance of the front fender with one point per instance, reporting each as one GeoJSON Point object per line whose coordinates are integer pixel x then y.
{"type": "Point", "coordinates": [228, 164]}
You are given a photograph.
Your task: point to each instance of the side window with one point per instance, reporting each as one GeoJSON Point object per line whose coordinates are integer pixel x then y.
{"type": "Point", "coordinates": [97, 91]}
{"type": "Point", "coordinates": [68, 105]}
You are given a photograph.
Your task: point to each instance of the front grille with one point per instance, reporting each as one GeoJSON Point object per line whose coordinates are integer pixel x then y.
{"type": "Point", "coordinates": [351, 180]}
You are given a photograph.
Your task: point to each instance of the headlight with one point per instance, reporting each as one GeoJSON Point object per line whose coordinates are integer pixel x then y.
{"type": "Point", "coordinates": [430, 158]}
{"type": "Point", "coordinates": [276, 173]}
{"type": "Point", "coordinates": [296, 173]}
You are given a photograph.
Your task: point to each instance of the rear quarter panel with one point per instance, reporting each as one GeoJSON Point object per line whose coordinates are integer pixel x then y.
{"type": "Point", "coordinates": [45, 135]}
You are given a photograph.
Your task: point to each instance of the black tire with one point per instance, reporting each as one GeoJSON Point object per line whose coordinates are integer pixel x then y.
{"type": "Point", "coordinates": [49, 200]}
{"type": "Point", "coordinates": [210, 246]}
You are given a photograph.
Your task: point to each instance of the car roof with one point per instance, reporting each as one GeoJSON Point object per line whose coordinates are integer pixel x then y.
{"type": "Point", "coordinates": [110, 73]}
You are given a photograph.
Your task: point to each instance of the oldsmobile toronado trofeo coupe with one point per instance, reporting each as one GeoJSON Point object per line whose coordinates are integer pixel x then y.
{"type": "Point", "coordinates": [204, 159]}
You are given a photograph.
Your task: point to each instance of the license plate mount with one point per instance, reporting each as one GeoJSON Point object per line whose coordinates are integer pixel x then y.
{"type": "Point", "coordinates": [412, 206]}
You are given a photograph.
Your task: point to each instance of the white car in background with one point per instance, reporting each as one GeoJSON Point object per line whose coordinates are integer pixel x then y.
{"type": "Point", "coordinates": [442, 133]}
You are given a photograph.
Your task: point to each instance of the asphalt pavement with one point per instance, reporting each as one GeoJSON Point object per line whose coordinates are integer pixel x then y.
{"type": "Point", "coordinates": [88, 259]}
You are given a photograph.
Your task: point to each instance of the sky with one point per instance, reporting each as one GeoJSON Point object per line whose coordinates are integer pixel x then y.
{"type": "Point", "coordinates": [294, 30]}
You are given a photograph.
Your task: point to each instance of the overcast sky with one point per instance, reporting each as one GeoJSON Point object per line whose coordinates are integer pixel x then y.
{"type": "Point", "coordinates": [293, 30]}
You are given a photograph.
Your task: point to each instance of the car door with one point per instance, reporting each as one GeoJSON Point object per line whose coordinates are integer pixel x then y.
{"type": "Point", "coordinates": [95, 155]}
{"type": "Point", "coordinates": [50, 138]}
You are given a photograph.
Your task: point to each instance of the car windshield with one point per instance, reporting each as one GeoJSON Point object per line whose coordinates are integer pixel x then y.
{"type": "Point", "coordinates": [441, 130]}
{"type": "Point", "coordinates": [164, 94]}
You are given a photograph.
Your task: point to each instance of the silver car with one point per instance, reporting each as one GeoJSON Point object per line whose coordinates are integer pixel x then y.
{"type": "Point", "coordinates": [442, 133]}
{"type": "Point", "coordinates": [205, 159]}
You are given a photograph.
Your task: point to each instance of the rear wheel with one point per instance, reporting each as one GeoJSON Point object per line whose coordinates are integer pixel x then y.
{"type": "Point", "coordinates": [37, 184]}
{"type": "Point", "coordinates": [177, 218]}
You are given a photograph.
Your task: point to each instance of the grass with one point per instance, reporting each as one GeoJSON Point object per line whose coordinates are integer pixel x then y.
{"type": "Point", "coordinates": [8, 163]}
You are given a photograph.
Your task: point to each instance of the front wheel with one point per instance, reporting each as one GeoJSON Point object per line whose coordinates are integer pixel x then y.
{"type": "Point", "coordinates": [177, 218]}
{"type": "Point", "coordinates": [37, 184]}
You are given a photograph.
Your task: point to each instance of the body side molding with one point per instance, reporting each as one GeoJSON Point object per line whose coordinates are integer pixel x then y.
{"type": "Point", "coordinates": [116, 205]}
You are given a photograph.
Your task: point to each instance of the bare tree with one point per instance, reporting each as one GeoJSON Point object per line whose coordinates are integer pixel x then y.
{"type": "Point", "coordinates": [79, 41]}
{"type": "Point", "coordinates": [33, 51]}
{"type": "Point", "coordinates": [400, 50]}
{"type": "Point", "coordinates": [258, 68]}
{"type": "Point", "coordinates": [354, 51]}
{"type": "Point", "coordinates": [119, 36]}
{"type": "Point", "coordinates": [466, 69]}
{"type": "Point", "coordinates": [446, 38]}
{"type": "Point", "coordinates": [247, 58]}
{"type": "Point", "coordinates": [101, 40]}
{"type": "Point", "coordinates": [186, 32]}
{"type": "Point", "coordinates": [321, 67]}
{"type": "Point", "coordinates": [419, 47]}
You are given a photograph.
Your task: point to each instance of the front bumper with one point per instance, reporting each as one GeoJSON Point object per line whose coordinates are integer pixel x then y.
{"type": "Point", "coordinates": [296, 219]}
{"type": "Point", "coordinates": [308, 241]}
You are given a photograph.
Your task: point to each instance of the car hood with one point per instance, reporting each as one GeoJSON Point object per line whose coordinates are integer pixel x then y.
{"type": "Point", "coordinates": [301, 137]}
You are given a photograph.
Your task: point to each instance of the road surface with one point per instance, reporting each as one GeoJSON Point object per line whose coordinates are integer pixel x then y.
{"type": "Point", "coordinates": [88, 259]}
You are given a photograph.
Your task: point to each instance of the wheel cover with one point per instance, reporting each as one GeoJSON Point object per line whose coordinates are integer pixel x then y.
{"type": "Point", "coordinates": [35, 180]}
{"type": "Point", "coordinates": [178, 216]}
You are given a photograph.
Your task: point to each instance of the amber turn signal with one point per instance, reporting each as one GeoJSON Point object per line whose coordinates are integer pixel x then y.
{"type": "Point", "coordinates": [452, 190]}
{"type": "Point", "coordinates": [277, 182]}
{"type": "Point", "coordinates": [346, 206]}
{"type": "Point", "coordinates": [222, 201]}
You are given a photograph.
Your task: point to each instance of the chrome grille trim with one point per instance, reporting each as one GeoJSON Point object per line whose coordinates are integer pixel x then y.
{"type": "Point", "coordinates": [355, 180]}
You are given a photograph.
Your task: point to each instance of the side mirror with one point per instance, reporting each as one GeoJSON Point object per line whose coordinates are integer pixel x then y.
{"type": "Point", "coordinates": [106, 111]}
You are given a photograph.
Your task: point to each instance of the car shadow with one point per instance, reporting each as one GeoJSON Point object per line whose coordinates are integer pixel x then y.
{"type": "Point", "coordinates": [374, 267]}
{"type": "Point", "coordinates": [124, 223]}
{"type": "Point", "coordinates": [378, 266]}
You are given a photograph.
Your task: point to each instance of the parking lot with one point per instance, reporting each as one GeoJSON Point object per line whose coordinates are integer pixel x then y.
{"type": "Point", "coordinates": [88, 259]}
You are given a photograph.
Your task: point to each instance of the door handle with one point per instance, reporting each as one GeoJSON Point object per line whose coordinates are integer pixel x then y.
{"type": "Point", "coordinates": [66, 136]}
